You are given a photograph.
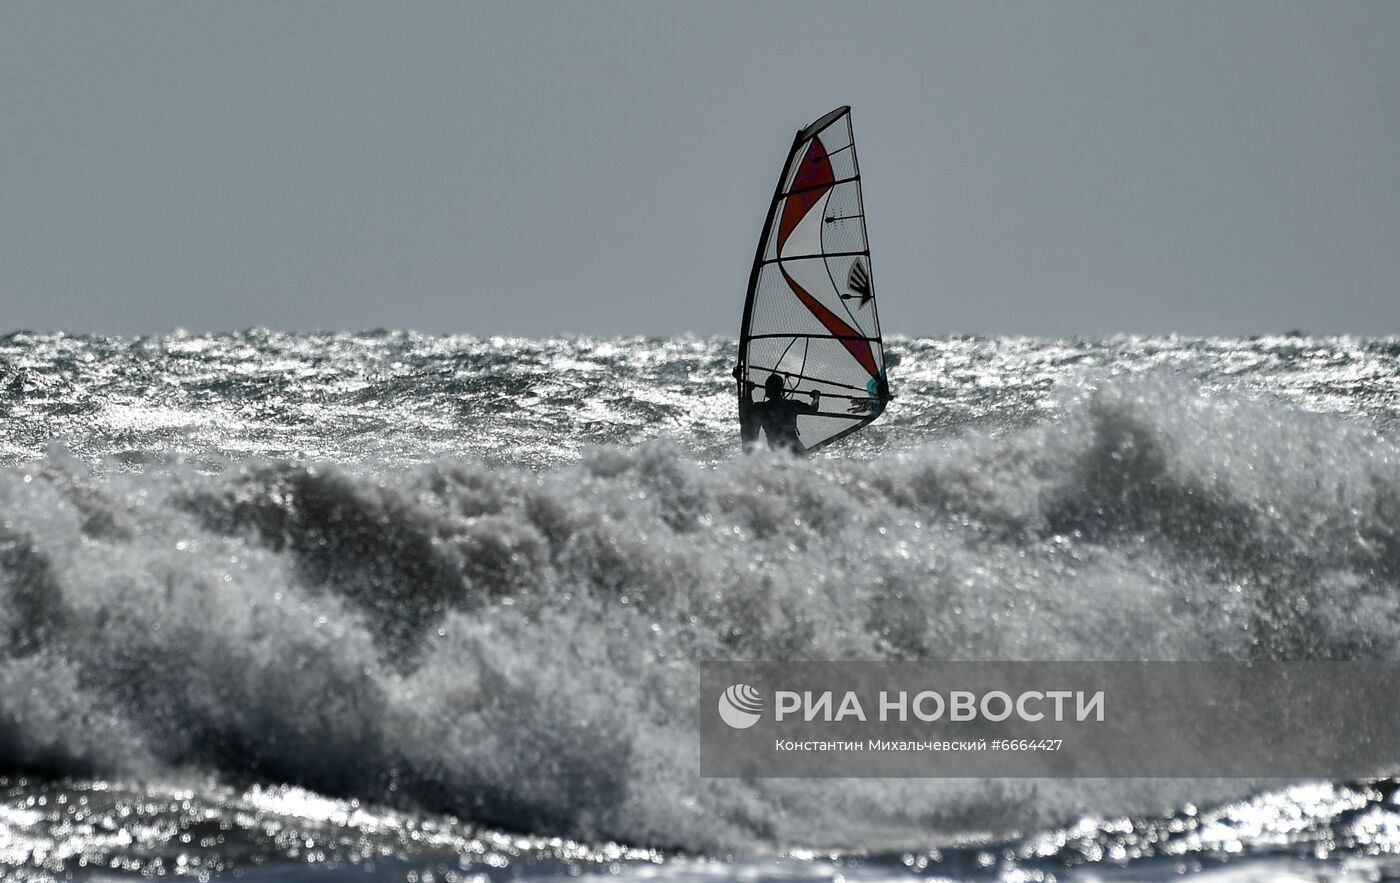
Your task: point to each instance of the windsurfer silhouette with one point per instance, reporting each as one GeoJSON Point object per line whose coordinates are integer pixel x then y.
{"type": "Point", "coordinates": [776, 415]}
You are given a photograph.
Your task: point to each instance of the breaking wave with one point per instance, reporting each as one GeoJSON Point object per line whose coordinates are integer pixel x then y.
{"type": "Point", "coordinates": [519, 648]}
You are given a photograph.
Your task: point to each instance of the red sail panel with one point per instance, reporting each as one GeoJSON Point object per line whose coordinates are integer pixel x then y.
{"type": "Point", "coordinates": [859, 348]}
{"type": "Point", "coordinates": [813, 178]}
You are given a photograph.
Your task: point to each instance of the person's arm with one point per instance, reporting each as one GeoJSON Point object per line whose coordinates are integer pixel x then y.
{"type": "Point", "coordinates": [813, 407]}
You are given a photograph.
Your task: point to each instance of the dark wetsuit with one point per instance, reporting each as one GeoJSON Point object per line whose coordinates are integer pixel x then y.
{"type": "Point", "coordinates": [777, 418]}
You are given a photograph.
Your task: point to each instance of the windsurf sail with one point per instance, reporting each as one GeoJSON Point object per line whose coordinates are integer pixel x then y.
{"type": "Point", "coordinates": [809, 316]}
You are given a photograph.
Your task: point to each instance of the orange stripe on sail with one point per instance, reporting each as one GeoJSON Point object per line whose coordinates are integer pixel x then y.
{"type": "Point", "coordinates": [836, 325]}
{"type": "Point", "coordinates": [814, 172]}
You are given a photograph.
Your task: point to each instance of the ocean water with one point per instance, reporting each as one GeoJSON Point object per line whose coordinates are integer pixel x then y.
{"type": "Point", "coordinates": [398, 607]}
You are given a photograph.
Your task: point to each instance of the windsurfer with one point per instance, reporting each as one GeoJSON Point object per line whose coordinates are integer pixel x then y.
{"type": "Point", "coordinates": [776, 415]}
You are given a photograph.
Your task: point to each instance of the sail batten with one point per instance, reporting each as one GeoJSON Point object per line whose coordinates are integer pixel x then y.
{"type": "Point", "coordinates": [800, 190]}
{"type": "Point", "coordinates": [810, 312]}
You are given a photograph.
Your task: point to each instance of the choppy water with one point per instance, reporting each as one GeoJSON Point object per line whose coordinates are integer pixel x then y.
{"type": "Point", "coordinates": [396, 605]}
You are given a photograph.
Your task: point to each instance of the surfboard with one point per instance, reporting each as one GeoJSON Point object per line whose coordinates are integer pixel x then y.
{"type": "Point", "coordinates": [809, 314]}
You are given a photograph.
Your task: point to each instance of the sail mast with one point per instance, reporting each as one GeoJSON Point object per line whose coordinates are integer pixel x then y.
{"type": "Point", "coordinates": [758, 261]}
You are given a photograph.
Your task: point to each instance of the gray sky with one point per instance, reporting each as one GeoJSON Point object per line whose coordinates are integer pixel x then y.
{"type": "Point", "coordinates": [533, 167]}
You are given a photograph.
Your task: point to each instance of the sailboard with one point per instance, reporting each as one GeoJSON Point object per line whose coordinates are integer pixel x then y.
{"type": "Point", "coordinates": [809, 315]}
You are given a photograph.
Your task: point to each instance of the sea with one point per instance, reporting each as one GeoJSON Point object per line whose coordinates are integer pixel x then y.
{"type": "Point", "coordinates": [394, 606]}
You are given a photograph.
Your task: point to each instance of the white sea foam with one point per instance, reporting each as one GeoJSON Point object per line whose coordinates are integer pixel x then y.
{"type": "Point", "coordinates": [517, 646]}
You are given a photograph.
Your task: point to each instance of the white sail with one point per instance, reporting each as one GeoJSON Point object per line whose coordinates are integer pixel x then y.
{"type": "Point", "coordinates": [810, 314]}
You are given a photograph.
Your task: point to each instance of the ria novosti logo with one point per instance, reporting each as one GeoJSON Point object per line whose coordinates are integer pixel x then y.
{"type": "Point", "coordinates": [741, 706]}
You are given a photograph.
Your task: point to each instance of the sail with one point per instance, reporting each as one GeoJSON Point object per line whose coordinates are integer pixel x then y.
{"type": "Point", "coordinates": [810, 312]}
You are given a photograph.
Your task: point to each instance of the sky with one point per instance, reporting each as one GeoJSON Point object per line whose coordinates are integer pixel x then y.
{"type": "Point", "coordinates": [603, 168]}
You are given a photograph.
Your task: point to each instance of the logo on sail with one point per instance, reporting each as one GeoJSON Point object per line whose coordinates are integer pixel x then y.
{"type": "Point", "coordinates": [859, 282]}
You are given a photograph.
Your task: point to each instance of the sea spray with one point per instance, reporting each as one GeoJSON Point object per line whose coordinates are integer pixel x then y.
{"type": "Point", "coordinates": [516, 646]}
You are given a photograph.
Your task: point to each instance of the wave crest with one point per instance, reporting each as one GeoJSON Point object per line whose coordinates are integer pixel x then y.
{"type": "Point", "coordinates": [518, 647]}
